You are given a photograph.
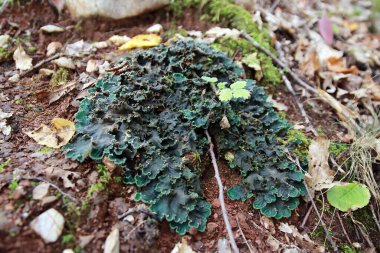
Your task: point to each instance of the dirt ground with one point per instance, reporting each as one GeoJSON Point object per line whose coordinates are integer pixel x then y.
{"type": "Point", "coordinates": [28, 99]}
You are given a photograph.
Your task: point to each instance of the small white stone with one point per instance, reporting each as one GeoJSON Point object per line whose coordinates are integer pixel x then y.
{"type": "Point", "coordinates": [53, 48]}
{"type": "Point", "coordinates": [68, 251]}
{"type": "Point", "coordinates": [112, 244]}
{"type": "Point", "coordinates": [64, 62]}
{"type": "Point", "coordinates": [40, 191]}
{"type": "Point", "coordinates": [52, 29]}
{"type": "Point", "coordinates": [100, 44]}
{"type": "Point", "coordinates": [157, 28]}
{"type": "Point", "coordinates": [48, 225]}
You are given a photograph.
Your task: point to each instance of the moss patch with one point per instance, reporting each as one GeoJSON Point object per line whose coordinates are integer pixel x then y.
{"type": "Point", "coordinates": [297, 142]}
{"type": "Point", "coordinates": [61, 76]}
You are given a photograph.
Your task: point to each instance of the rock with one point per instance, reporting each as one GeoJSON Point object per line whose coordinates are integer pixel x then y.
{"type": "Point", "coordinates": [212, 226]}
{"type": "Point", "coordinates": [46, 72]}
{"type": "Point", "coordinates": [92, 66]}
{"type": "Point", "coordinates": [64, 62]}
{"type": "Point", "coordinates": [130, 219]}
{"type": "Point", "coordinates": [291, 250]}
{"type": "Point", "coordinates": [40, 191]}
{"type": "Point", "coordinates": [53, 48]}
{"type": "Point", "coordinates": [215, 203]}
{"type": "Point", "coordinates": [112, 244]}
{"type": "Point", "coordinates": [48, 199]}
{"type": "Point", "coordinates": [100, 44]}
{"type": "Point", "coordinates": [157, 28]}
{"type": "Point", "coordinates": [84, 240]}
{"type": "Point", "coordinates": [116, 9]}
{"type": "Point", "coordinates": [48, 225]}
{"type": "Point", "coordinates": [68, 251]}
{"type": "Point", "coordinates": [14, 79]}
{"type": "Point", "coordinates": [119, 40]}
{"type": "Point", "coordinates": [52, 29]}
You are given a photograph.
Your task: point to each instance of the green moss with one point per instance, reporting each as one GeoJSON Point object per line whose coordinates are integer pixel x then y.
{"type": "Point", "coordinates": [5, 53]}
{"type": "Point", "coordinates": [297, 142]}
{"type": "Point", "coordinates": [232, 15]}
{"type": "Point", "coordinates": [4, 164]}
{"type": "Point", "coordinates": [61, 76]}
{"type": "Point", "coordinates": [347, 249]}
{"type": "Point", "coordinates": [230, 45]}
{"type": "Point", "coordinates": [337, 148]}
{"type": "Point", "coordinates": [45, 150]}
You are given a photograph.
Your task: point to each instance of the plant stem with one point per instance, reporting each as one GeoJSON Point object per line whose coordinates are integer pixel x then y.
{"type": "Point", "coordinates": [221, 195]}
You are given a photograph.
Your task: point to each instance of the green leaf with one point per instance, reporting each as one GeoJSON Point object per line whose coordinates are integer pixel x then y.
{"type": "Point", "coordinates": [349, 196]}
{"type": "Point", "coordinates": [238, 85]}
{"type": "Point", "coordinates": [222, 85]}
{"type": "Point", "coordinates": [210, 79]}
{"type": "Point", "coordinates": [241, 93]}
{"type": "Point", "coordinates": [225, 95]}
{"type": "Point", "coordinates": [252, 61]}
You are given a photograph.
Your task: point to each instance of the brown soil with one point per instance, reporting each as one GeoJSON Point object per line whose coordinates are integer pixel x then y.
{"type": "Point", "coordinates": [102, 215]}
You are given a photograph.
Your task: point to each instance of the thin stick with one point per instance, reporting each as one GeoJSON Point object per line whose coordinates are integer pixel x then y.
{"type": "Point", "coordinates": [306, 217]}
{"type": "Point", "coordinates": [300, 82]}
{"type": "Point", "coordinates": [299, 104]}
{"type": "Point", "coordinates": [374, 217]}
{"type": "Point", "coordinates": [52, 185]}
{"type": "Point", "coordinates": [332, 242]}
{"type": "Point", "coordinates": [251, 250]}
{"type": "Point", "coordinates": [343, 228]}
{"type": "Point", "coordinates": [39, 64]}
{"type": "Point", "coordinates": [221, 195]}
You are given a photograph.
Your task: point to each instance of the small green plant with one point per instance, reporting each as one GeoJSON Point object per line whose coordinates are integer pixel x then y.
{"type": "Point", "coordinates": [4, 165]}
{"type": "Point", "coordinates": [101, 184]}
{"type": "Point", "coordinates": [45, 150]}
{"type": "Point", "coordinates": [68, 238]}
{"type": "Point", "coordinates": [236, 90]}
{"type": "Point", "coordinates": [13, 184]}
{"type": "Point", "coordinates": [348, 196]}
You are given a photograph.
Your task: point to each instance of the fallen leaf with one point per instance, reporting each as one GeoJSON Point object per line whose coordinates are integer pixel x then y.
{"type": "Point", "coordinates": [277, 105]}
{"type": "Point", "coordinates": [339, 65]}
{"type": "Point", "coordinates": [119, 40]}
{"type": "Point", "coordinates": [142, 41]}
{"type": "Point", "coordinates": [56, 137]}
{"type": "Point", "coordinates": [182, 247]}
{"type": "Point", "coordinates": [319, 175]}
{"type": "Point", "coordinates": [93, 65]}
{"type": "Point", "coordinates": [325, 28]}
{"type": "Point", "coordinates": [78, 49]}
{"type": "Point", "coordinates": [40, 191]}
{"type": "Point", "coordinates": [112, 244]}
{"type": "Point", "coordinates": [64, 62]}
{"type": "Point", "coordinates": [61, 91]}
{"type": "Point", "coordinates": [253, 62]}
{"type": "Point", "coordinates": [52, 29]}
{"type": "Point", "coordinates": [311, 63]}
{"type": "Point", "coordinates": [23, 61]}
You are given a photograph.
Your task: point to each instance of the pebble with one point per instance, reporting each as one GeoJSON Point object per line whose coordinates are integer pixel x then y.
{"type": "Point", "coordinates": [40, 191]}
{"type": "Point", "coordinates": [52, 29]}
{"type": "Point", "coordinates": [215, 203]}
{"type": "Point", "coordinates": [68, 251]}
{"type": "Point", "coordinates": [49, 225]}
{"type": "Point", "coordinates": [157, 28]}
{"type": "Point", "coordinates": [64, 62]}
{"type": "Point", "coordinates": [212, 226]}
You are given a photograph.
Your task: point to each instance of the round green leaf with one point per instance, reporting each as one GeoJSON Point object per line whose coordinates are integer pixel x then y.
{"type": "Point", "coordinates": [348, 196]}
{"type": "Point", "coordinates": [238, 85]}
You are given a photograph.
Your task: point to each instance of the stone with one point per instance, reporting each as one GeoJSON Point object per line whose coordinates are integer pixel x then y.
{"type": "Point", "coordinates": [115, 9]}
{"type": "Point", "coordinates": [68, 251]}
{"type": "Point", "coordinates": [212, 226]}
{"type": "Point", "coordinates": [157, 28]}
{"type": "Point", "coordinates": [40, 191]}
{"type": "Point", "coordinates": [48, 225]}
{"type": "Point", "coordinates": [64, 62]}
{"type": "Point", "coordinates": [47, 200]}
{"type": "Point", "coordinates": [215, 203]}
{"type": "Point", "coordinates": [112, 244]}
{"type": "Point", "coordinates": [52, 29]}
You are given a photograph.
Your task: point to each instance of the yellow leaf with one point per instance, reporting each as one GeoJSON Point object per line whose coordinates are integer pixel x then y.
{"type": "Point", "coordinates": [59, 135]}
{"type": "Point", "coordinates": [142, 40]}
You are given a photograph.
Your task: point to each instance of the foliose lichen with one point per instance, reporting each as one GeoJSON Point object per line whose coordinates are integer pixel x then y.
{"type": "Point", "coordinates": [149, 117]}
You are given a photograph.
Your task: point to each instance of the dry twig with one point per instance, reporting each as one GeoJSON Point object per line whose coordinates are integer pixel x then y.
{"type": "Point", "coordinates": [39, 64]}
{"type": "Point", "coordinates": [250, 247]}
{"type": "Point", "coordinates": [221, 194]}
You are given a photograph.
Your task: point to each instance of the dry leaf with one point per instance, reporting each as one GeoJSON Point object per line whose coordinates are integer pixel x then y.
{"type": "Point", "coordinates": [311, 63]}
{"type": "Point", "coordinates": [64, 62]}
{"type": "Point", "coordinates": [142, 41]}
{"type": "Point", "coordinates": [182, 247]}
{"type": "Point", "coordinates": [61, 91]}
{"type": "Point", "coordinates": [56, 137]}
{"type": "Point", "coordinates": [319, 176]}
{"type": "Point", "coordinates": [23, 61]}
{"type": "Point", "coordinates": [52, 29]}
{"type": "Point", "coordinates": [339, 65]}
{"type": "Point", "coordinates": [53, 48]}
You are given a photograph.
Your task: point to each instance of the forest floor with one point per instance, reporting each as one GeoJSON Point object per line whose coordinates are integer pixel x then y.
{"type": "Point", "coordinates": [37, 97]}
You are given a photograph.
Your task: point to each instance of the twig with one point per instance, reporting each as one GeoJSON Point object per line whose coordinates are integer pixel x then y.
{"type": "Point", "coordinates": [137, 210]}
{"type": "Point", "coordinates": [375, 217]}
{"type": "Point", "coordinates": [52, 185]}
{"type": "Point", "coordinates": [251, 249]}
{"type": "Point", "coordinates": [39, 64]}
{"type": "Point", "coordinates": [306, 216]}
{"type": "Point", "coordinates": [299, 104]}
{"type": "Point", "coordinates": [364, 234]}
{"type": "Point", "coordinates": [332, 242]}
{"type": "Point", "coordinates": [300, 82]}
{"type": "Point", "coordinates": [343, 228]}
{"type": "Point", "coordinates": [221, 194]}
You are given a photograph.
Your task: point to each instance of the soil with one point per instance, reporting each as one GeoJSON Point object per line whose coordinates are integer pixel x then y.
{"type": "Point", "coordinates": [99, 219]}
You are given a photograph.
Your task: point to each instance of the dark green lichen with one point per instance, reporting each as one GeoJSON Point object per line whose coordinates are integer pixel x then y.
{"type": "Point", "coordinates": [150, 119]}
